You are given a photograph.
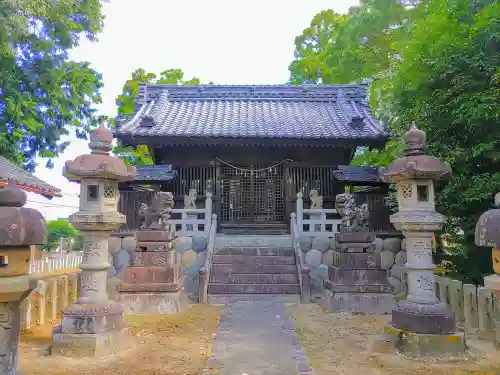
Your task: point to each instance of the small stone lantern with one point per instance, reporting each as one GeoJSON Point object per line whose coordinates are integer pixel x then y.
{"type": "Point", "coordinates": [488, 235]}
{"type": "Point", "coordinates": [94, 326]}
{"type": "Point", "coordinates": [421, 324]}
{"type": "Point", "coordinates": [19, 228]}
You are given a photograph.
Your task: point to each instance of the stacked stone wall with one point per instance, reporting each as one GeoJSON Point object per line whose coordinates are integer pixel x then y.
{"type": "Point", "coordinates": [318, 254]}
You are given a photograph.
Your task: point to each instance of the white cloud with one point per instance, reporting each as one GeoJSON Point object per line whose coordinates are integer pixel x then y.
{"type": "Point", "coordinates": [227, 42]}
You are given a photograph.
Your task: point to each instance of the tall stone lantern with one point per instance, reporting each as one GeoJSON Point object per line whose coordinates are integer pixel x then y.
{"type": "Point", "coordinates": [488, 235]}
{"type": "Point", "coordinates": [20, 227]}
{"type": "Point", "coordinates": [421, 324]}
{"type": "Point", "coordinates": [94, 325]}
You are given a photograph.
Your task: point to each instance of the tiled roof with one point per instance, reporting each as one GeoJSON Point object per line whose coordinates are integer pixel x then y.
{"type": "Point", "coordinates": [25, 180]}
{"type": "Point", "coordinates": [357, 175]}
{"type": "Point", "coordinates": [154, 173]}
{"type": "Point", "coordinates": [279, 112]}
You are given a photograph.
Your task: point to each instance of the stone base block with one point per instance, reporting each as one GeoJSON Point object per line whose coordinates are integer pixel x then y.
{"type": "Point", "coordinates": [357, 276]}
{"type": "Point", "coordinates": [79, 345]}
{"type": "Point", "coordinates": [152, 258]}
{"type": "Point", "coordinates": [155, 246]}
{"type": "Point", "coordinates": [356, 260]}
{"type": "Point", "coordinates": [153, 303]}
{"type": "Point", "coordinates": [154, 235]}
{"type": "Point", "coordinates": [426, 345]}
{"type": "Point", "coordinates": [424, 318]}
{"type": "Point", "coordinates": [141, 275]}
{"type": "Point", "coordinates": [150, 287]}
{"type": "Point", "coordinates": [354, 247]}
{"type": "Point", "coordinates": [353, 288]}
{"type": "Point", "coordinates": [367, 303]}
{"type": "Point", "coordinates": [358, 237]}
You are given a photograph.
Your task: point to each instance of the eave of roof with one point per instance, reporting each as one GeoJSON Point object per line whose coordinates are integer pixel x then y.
{"type": "Point", "coordinates": [25, 180]}
{"type": "Point", "coordinates": [358, 175]}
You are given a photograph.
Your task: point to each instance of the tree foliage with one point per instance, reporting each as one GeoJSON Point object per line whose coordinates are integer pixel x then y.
{"type": "Point", "coordinates": [436, 62]}
{"type": "Point", "coordinates": [141, 154]}
{"type": "Point", "coordinates": [57, 230]}
{"type": "Point", "coordinates": [42, 92]}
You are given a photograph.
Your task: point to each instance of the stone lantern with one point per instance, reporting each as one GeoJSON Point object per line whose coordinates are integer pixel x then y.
{"type": "Point", "coordinates": [19, 228]}
{"type": "Point", "coordinates": [421, 324]}
{"type": "Point", "coordinates": [94, 325]}
{"type": "Point", "coordinates": [488, 235]}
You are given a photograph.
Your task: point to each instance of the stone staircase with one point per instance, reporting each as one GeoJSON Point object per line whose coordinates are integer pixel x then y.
{"type": "Point", "coordinates": [253, 267]}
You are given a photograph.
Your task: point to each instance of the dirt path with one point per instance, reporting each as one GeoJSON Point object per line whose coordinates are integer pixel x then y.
{"type": "Point", "coordinates": [160, 345]}
{"type": "Point", "coordinates": [341, 344]}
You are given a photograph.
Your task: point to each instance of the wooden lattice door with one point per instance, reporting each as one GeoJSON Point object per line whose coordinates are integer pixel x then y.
{"type": "Point", "coordinates": [252, 194]}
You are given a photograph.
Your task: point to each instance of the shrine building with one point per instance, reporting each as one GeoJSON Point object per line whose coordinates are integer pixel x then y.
{"type": "Point", "coordinates": [254, 147]}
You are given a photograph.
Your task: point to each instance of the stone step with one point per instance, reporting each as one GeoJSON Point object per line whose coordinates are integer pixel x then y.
{"type": "Point", "coordinates": [254, 241]}
{"type": "Point", "coordinates": [357, 276]}
{"type": "Point", "coordinates": [253, 288]}
{"type": "Point", "coordinates": [352, 288]}
{"type": "Point", "coordinates": [356, 260]}
{"type": "Point", "coordinates": [255, 251]}
{"type": "Point", "coordinates": [245, 259]}
{"type": "Point", "coordinates": [253, 278]}
{"type": "Point", "coordinates": [218, 299]}
{"type": "Point", "coordinates": [254, 268]}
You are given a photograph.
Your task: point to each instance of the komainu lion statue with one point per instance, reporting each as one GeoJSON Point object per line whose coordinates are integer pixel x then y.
{"type": "Point", "coordinates": [156, 215]}
{"type": "Point", "coordinates": [353, 218]}
{"type": "Point", "coordinates": [316, 199]}
{"type": "Point", "coordinates": [190, 199]}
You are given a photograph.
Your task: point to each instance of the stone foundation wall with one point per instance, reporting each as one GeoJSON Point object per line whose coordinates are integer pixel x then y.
{"type": "Point", "coordinates": [191, 252]}
{"type": "Point", "coordinates": [318, 254]}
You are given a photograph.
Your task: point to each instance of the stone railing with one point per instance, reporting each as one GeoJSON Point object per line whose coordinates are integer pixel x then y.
{"type": "Point", "coordinates": [189, 223]}
{"type": "Point", "coordinates": [54, 263]}
{"type": "Point", "coordinates": [476, 308]}
{"type": "Point", "coordinates": [302, 268]}
{"type": "Point", "coordinates": [206, 269]}
{"type": "Point", "coordinates": [315, 222]}
{"type": "Point", "coordinates": [44, 304]}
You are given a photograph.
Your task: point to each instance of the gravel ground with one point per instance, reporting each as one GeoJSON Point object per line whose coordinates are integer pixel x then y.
{"type": "Point", "coordinates": [342, 344]}
{"type": "Point", "coordinates": [160, 345]}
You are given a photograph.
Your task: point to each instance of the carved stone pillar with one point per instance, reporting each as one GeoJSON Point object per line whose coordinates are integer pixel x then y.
{"type": "Point", "coordinates": [94, 326]}
{"type": "Point", "coordinates": [19, 228]}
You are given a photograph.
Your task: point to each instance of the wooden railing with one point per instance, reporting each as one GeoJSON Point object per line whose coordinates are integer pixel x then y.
{"type": "Point", "coordinates": [57, 262]}
{"type": "Point", "coordinates": [44, 304]}
{"type": "Point", "coordinates": [207, 266]}
{"type": "Point", "coordinates": [302, 269]}
{"type": "Point", "coordinates": [315, 222]}
{"type": "Point", "coordinates": [476, 308]}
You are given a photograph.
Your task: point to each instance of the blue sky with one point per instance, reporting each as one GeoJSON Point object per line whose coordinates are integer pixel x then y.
{"type": "Point", "coordinates": [227, 42]}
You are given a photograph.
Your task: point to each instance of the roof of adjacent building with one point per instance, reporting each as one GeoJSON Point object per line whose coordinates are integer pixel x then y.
{"type": "Point", "coordinates": [25, 180]}
{"type": "Point", "coordinates": [357, 175]}
{"type": "Point", "coordinates": [154, 173]}
{"type": "Point", "coordinates": [306, 112]}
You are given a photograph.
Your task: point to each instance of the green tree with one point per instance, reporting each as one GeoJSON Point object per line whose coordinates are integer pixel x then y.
{"type": "Point", "coordinates": [436, 62]}
{"type": "Point", "coordinates": [126, 102]}
{"type": "Point", "coordinates": [42, 92]}
{"type": "Point", "coordinates": [448, 81]}
{"type": "Point", "coordinates": [56, 230]}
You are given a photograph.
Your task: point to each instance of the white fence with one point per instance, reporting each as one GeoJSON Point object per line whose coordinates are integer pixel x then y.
{"type": "Point", "coordinates": [314, 222]}
{"type": "Point", "coordinates": [190, 223]}
{"type": "Point", "coordinates": [55, 263]}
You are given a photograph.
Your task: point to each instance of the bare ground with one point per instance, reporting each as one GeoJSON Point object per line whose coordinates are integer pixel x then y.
{"type": "Point", "coordinates": [341, 344]}
{"type": "Point", "coordinates": [160, 345]}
